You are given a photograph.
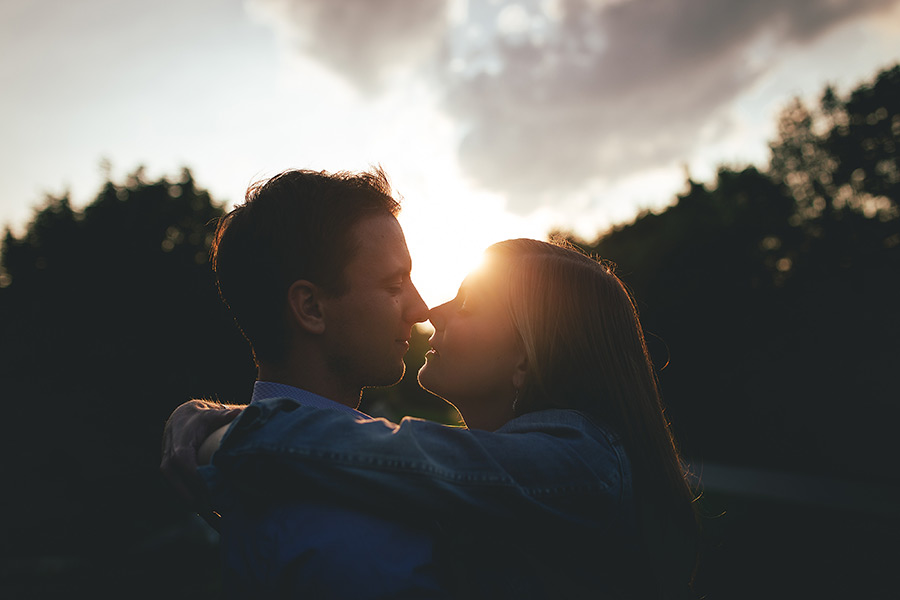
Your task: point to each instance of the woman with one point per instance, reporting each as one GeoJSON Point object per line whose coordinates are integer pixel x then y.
{"type": "Point", "coordinates": [567, 473]}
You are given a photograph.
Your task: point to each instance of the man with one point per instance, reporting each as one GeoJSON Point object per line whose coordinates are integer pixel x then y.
{"type": "Point", "coordinates": [316, 272]}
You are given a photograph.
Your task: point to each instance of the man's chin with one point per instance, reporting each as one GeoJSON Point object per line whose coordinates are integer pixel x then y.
{"type": "Point", "coordinates": [388, 380]}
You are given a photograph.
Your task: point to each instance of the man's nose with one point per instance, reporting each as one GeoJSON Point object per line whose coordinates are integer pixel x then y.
{"type": "Point", "coordinates": [417, 310]}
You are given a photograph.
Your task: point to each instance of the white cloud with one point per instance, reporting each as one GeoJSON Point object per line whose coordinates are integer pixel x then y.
{"type": "Point", "coordinates": [617, 87]}
{"type": "Point", "coordinates": [552, 97]}
{"type": "Point", "coordinates": [366, 41]}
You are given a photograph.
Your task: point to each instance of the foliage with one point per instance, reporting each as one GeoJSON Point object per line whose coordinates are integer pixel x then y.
{"type": "Point", "coordinates": [774, 294]}
{"type": "Point", "coordinates": [110, 318]}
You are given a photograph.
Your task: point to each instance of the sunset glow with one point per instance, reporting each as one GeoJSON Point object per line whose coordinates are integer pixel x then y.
{"type": "Point", "coordinates": [494, 119]}
{"type": "Point", "coordinates": [446, 246]}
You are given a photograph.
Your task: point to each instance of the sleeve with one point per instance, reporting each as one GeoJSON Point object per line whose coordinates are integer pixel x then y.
{"type": "Point", "coordinates": [546, 468]}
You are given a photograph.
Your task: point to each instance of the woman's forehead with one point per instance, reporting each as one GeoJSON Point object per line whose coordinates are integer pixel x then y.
{"type": "Point", "coordinates": [487, 280]}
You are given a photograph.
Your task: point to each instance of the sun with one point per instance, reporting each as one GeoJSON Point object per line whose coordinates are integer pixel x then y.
{"type": "Point", "coordinates": [449, 226]}
{"type": "Point", "coordinates": [438, 270]}
{"type": "Point", "coordinates": [443, 256]}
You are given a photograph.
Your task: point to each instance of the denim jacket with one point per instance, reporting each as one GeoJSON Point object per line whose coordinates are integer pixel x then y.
{"type": "Point", "coordinates": [548, 496]}
{"type": "Point", "coordinates": [300, 547]}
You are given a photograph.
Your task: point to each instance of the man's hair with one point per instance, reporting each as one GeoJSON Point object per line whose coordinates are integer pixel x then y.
{"type": "Point", "coordinates": [295, 225]}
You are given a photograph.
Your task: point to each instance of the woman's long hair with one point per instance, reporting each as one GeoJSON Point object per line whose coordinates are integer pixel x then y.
{"type": "Point", "coordinates": [586, 351]}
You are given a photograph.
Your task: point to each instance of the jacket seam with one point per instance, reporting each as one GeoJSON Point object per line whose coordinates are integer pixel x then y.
{"type": "Point", "coordinates": [418, 469]}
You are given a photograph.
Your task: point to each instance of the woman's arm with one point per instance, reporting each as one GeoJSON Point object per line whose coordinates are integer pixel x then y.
{"type": "Point", "coordinates": [210, 445]}
{"type": "Point", "coordinates": [184, 432]}
{"type": "Point", "coordinates": [553, 463]}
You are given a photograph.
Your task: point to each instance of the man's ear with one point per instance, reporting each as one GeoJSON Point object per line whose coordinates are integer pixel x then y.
{"type": "Point", "coordinates": [304, 304]}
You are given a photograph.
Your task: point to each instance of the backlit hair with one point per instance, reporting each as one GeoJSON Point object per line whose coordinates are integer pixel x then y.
{"type": "Point", "coordinates": [586, 351]}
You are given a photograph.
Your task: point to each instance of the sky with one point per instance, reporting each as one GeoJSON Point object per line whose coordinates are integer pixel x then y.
{"type": "Point", "coordinates": [493, 118]}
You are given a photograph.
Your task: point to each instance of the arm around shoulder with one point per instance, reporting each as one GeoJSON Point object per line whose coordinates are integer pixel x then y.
{"type": "Point", "coordinates": [210, 445]}
{"type": "Point", "coordinates": [549, 463]}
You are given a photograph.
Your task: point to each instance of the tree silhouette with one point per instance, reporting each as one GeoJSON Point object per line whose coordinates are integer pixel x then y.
{"type": "Point", "coordinates": [110, 319]}
{"type": "Point", "coordinates": [774, 294]}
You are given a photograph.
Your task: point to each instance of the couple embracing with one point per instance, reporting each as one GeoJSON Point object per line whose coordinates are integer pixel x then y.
{"type": "Point", "coordinates": [564, 483]}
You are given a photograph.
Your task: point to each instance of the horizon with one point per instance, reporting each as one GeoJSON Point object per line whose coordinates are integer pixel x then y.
{"type": "Point", "coordinates": [498, 119]}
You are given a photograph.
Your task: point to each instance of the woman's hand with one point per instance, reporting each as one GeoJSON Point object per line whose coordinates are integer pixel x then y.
{"type": "Point", "coordinates": [187, 429]}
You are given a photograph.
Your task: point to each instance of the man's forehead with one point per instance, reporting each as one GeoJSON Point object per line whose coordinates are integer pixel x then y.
{"type": "Point", "coordinates": [381, 246]}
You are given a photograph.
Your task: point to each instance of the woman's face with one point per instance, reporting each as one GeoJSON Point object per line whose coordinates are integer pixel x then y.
{"type": "Point", "coordinates": [476, 354]}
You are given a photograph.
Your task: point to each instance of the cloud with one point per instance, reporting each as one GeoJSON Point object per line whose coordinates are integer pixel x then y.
{"type": "Point", "coordinates": [603, 89]}
{"type": "Point", "coordinates": [365, 41]}
{"type": "Point", "coordinates": [554, 94]}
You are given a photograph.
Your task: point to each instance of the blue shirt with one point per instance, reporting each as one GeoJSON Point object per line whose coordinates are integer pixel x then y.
{"type": "Point", "coordinates": [308, 547]}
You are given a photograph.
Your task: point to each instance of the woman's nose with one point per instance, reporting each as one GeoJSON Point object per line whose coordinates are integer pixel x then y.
{"type": "Point", "coordinates": [437, 315]}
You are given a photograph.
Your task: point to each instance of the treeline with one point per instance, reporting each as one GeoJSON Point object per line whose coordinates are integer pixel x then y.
{"type": "Point", "coordinates": [771, 293]}
{"type": "Point", "coordinates": [774, 294]}
{"type": "Point", "coordinates": [109, 318]}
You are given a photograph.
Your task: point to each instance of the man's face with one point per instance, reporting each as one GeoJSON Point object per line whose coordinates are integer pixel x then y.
{"type": "Point", "coordinates": [368, 327]}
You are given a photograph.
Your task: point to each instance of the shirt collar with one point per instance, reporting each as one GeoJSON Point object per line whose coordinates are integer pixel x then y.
{"type": "Point", "coordinates": [263, 390]}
